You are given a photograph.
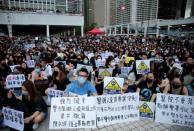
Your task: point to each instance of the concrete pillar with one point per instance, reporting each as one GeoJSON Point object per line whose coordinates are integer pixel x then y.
{"type": "Point", "coordinates": [82, 30]}
{"type": "Point", "coordinates": [121, 29]}
{"type": "Point", "coordinates": [136, 32]}
{"type": "Point", "coordinates": [68, 33]}
{"type": "Point", "coordinates": [158, 28]}
{"type": "Point", "coordinates": [74, 31]}
{"type": "Point", "coordinates": [110, 31]}
{"type": "Point", "coordinates": [47, 31]}
{"type": "Point", "coordinates": [145, 28]}
{"type": "Point", "coordinates": [115, 30]}
{"type": "Point", "coordinates": [9, 27]}
{"type": "Point", "coordinates": [168, 30]}
{"type": "Point", "coordinates": [127, 29]}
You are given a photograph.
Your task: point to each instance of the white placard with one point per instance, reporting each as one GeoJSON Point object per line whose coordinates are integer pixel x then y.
{"type": "Point", "coordinates": [30, 63]}
{"type": "Point", "coordinates": [55, 93]}
{"type": "Point", "coordinates": [90, 55]}
{"type": "Point", "coordinates": [72, 112]}
{"type": "Point", "coordinates": [126, 70]}
{"type": "Point", "coordinates": [112, 109]}
{"type": "Point", "coordinates": [113, 83]}
{"type": "Point", "coordinates": [13, 118]}
{"type": "Point", "coordinates": [105, 72]}
{"type": "Point", "coordinates": [89, 68]}
{"type": "Point", "coordinates": [175, 109]}
{"type": "Point", "coordinates": [147, 110]}
{"type": "Point", "coordinates": [143, 66]}
{"type": "Point", "coordinates": [57, 62]}
{"type": "Point", "coordinates": [13, 67]}
{"type": "Point", "coordinates": [14, 81]}
{"type": "Point", "coordinates": [100, 63]}
{"type": "Point", "coordinates": [117, 61]}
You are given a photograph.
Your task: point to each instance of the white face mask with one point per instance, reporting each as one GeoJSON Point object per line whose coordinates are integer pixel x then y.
{"type": "Point", "coordinates": [85, 61]}
{"type": "Point", "coordinates": [112, 63]}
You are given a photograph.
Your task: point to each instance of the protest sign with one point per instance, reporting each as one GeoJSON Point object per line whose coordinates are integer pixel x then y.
{"type": "Point", "coordinates": [112, 109]}
{"type": "Point", "coordinates": [30, 63]}
{"type": "Point", "coordinates": [57, 62]}
{"type": "Point", "coordinates": [147, 109]}
{"type": "Point", "coordinates": [89, 68]}
{"type": "Point", "coordinates": [13, 118]}
{"type": "Point", "coordinates": [142, 66]}
{"type": "Point", "coordinates": [55, 93]}
{"type": "Point", "coordinates": [72, 112]}
{"type": "Point", "coordinates": [113, 85]}
{"type": "Point", "coordinates": [100, 63]}
{"type": "Point", "coordinates": [15, 81]}
{"type": "Point", "coordinates": [13, 67]}
{"type": "Point", "coordinates": [105, 72]}
{"type": "Point", "coordinates": [117, 61]}
{"type": "Point", "coordinates": [175, 109]}
{"type": "Point", "coordinates": [126, 70]}
{"type": "Point", "coordinates": [90, 55]}
{"type": "Point", "coordinates": [128, 59]}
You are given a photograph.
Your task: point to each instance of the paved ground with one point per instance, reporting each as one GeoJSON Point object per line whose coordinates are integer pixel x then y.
{"type": "Point", "coordinates": [142, 125]}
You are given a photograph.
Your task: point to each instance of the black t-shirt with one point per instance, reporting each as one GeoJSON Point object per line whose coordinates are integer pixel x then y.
{"type": "Point", "coordinates": [61, 85]}
{"type": "Point", "coordinates": [131, 88]}
{"type": "Point", "coordinates": [29, 107]}
{"type": "Point", "coordinates": [4, 72]}
{"type": "Point", "coordinates": [146, 91]}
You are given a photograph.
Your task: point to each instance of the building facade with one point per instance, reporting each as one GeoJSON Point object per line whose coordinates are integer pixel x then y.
{"type": "Point", "coordinates": [130, 11]}
{"type": "Point", "coordinates": [42, 13]}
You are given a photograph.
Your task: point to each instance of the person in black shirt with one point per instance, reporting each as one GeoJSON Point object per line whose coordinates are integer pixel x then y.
{"type": "Point", "coordinates": [147, 88]}
{"type": "Point", "coordinates": [33, 106]}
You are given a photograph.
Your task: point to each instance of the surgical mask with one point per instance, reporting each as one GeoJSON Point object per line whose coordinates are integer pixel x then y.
{"type": "Point", "coordinates": [112, 63]}
{"type": "Point", "coordinates": [149, 80]}
{"type": "Point", "coordinates": [175, 86]}
{"type": "Point", "coordinates": [25, 93]}
{"type": "Point", "coordinates": [37, 70]}
{"type": "Point", "coordinates": [81, 80]}
{"type": "Point", "coordinates": [85, 61]}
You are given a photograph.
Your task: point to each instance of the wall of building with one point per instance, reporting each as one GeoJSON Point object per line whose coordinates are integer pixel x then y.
{"type": "Point", "coordinates": [40, 19]}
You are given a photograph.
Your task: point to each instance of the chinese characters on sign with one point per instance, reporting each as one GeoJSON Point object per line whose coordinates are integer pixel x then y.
{"type": "Point", "coordinates": [30, 63]}
{"type": "Point", "coordinates": [175, 109]}
{"type": "Point", "coordinates": [126, 70]}
{"type": "Point", "coordinates": [100, 63]}
{"type": "Point", "coordinates": [55, 93]}
{"type": "Point", "coordinates": [15, 81]}
{"type": "Point", "coordinates": [72, 112]}
{"type": "Point", "coordinates": [13, 118]}
{"type": "Point", "coordinates": [113, 109]}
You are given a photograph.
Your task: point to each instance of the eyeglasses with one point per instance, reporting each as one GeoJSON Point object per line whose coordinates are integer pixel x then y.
{"type": "Point", "coordinates": [83, 76]}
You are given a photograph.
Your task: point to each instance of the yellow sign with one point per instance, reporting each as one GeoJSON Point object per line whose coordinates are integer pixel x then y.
{"type": "Point", "coordinates": [128, 59]}
{"type": "Point", "coordinates": [142, 66]}
{"type": "Point", "coordinates": [105, 73]}
{"type": "Point", "coordinates": [144, 108]}
{"type": "Point", "coordinates": [113, 85]}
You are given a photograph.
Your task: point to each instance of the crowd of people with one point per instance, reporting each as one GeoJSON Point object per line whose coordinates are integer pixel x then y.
{"type": "Point", "coordinates": [172, 68]}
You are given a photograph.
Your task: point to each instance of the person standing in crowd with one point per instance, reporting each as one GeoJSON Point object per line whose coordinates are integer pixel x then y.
{"type": "Point", "coordinates": [33, 106]}
{"type": "Point", "coordinates": [81, 86]}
